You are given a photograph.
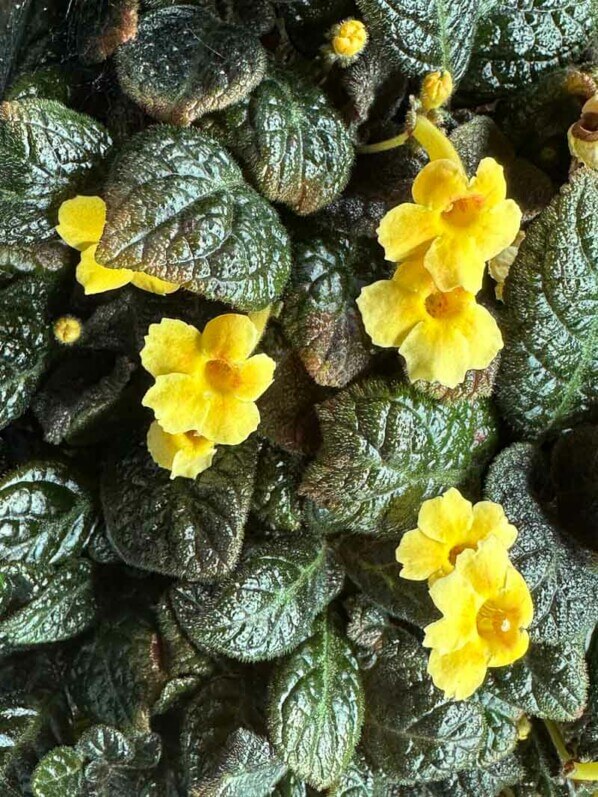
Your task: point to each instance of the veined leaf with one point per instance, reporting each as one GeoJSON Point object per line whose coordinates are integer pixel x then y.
{"type": "Point", "coordinates": [386, 449]}
{"type": "Point", "coordinates": [38, 258]}
{"type": "Point", "coordinates": [59, 774]}
{"type": "Point", "coordinates": [178, 209]}
{"type": "Point", "coordinates": [275, 500]}
{"type": "Point", "coordinates": [316, 706]}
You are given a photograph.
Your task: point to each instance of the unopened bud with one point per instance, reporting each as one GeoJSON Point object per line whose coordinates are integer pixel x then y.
{"type": "Point", "coordinates": [436, 90]}
{"type": "Point", "coordinates": [347, 40]}
{"type": "Point", "coordinates": [67, 330]}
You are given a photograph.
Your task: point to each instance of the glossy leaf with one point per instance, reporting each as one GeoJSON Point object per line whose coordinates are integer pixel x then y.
{"type": "Point", "coordinates": [59, 774]}
{"type": "Point", "coordinates": [275, 499]}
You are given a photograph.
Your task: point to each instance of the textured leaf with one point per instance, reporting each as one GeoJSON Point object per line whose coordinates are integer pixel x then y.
{"type": "Point", "coordinates": [24, 344]}
{"type": "Point", "coordinates": [292, 141]}
{"type": "Point", "coordinates": [316, 706]}
{"type": "Point", "coordinates": [357, 780]}
{"type": "Point", "coordinates": [275, 500]}
{"type": "Point", "coordinates": [550, 682]}
{"type": "Point", "coordinates": [562, 581]}
{"type": "Point", "coordinates": [213, 64]}
{"type": "Point", "coordinates": [321, 318]}
{"type": "Point", "coordinates": [290, 786]}
{"type": "Point", "coordinates": [98, 27]}
{"type": "Point", "coordinates": [46, 151]}
{"type": "Point", "coordinates": [487, 781]}
{"type": "Point", "coordinates": [115, 676]}
{"type": "Point", "coordinates": [386, 449]}
{"type": "Point", "coordinates": [46, 514]}
{"type": "Point", "coordinates": [59, 774]}
{"type": "Point", "coordinates": [424, 35]}
{"type": "Point", "coordinates": [541, 769]}
{"type": "Point", "coordinates": [521, 39]}
{"type": "Point", "coordinates": [549, 367]}
{"type": "Point", "coordinates": [267, 606]}
{"type": "Point", "coordinates": [190, 529]}
{"type": "Point", "coordinates": [246, 767]}
{"type": "Point", "coordinates": [501, 727]}
{"type": "Point", "coordinates": [585, 731]}
{"type": "Point", "coordinates": [411, 731]}
{"type": "Point", "coordinates": [178, 208]}
{"type": "Point", "coordinates": [21, 725]}
{"type": "Point", "coordinates": [33, 258]}
{"type": "Point", "coordinates": [64, 607]}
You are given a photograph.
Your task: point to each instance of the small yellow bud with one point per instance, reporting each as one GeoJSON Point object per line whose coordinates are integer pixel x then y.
{"type": "Point", "coordinates": [524, 728]}
{"type": "Point", "coordinates": [67, 330]}
{"type": "Point", "coordinates": [583, 135]}
{"type": "Point", "coordinates": [580, 84]}
{"type": "Point", "coordinates": [347, 40]}
{"type": "Point", "coordinates": [500, 265]}
{"type": "Point", "coordinates": [436, 89]}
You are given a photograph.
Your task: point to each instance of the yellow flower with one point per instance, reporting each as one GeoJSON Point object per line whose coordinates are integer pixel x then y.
{"type": "Point", "coordinates": [486, 607]}
{"type": "Point", "coordinates": [183, 455]}
{"type": "Point", "coordinates": [440, 335]}
{"type": "Point", "coordinates": [456, 223]}
{"type": "Point", "coordinates": [583, 135]}
{"type": "Point", "coordinates": [447, 526]}
{"type": "Point", "coordinates": [67, 329]}
{"type": "Point", "coordinates": [436, 89]}
{"type": "Point", "coordinates": [206, 382]}
{"type": "Point", "coordinates": [348, 38]}
{"type": "Point", "coordinates": [81, 223]}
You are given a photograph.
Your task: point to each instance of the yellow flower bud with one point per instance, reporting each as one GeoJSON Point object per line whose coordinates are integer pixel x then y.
{"type": "Point", "coordinates": [580, 84]}
{"type": "Point", "coordinates": [524, 728]}
{"type": "Point", "coordinates": [436, 89]}
{"type": "Point", "coordinates": [583, 135]}
{"type": "Point", "coordinates": [347, 40]}
{"type": "Point", "coordinates": [67, 330]}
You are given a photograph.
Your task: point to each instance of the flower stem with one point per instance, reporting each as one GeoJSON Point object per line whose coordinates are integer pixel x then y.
{"type": "Point", "coordinates": [574, 770]}
{"type": "Point", "coordinates": [384, 146]}
{"type": "Point", "coordinates": [432, 139]}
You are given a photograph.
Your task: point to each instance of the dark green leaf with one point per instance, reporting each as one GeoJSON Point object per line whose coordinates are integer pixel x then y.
{"type": "Point", "coordinates": [213, 64]}
{"type": "Point", "coordinates": [98, 27]}
{"type": "Point", "coordinates": [357, 780]}
{"type": "Point", "coordinates": [267, 607]}
{"type": "Point", "coordinates": [191, 529]}
{"type": "Point", "coordinates": [562, 581]}
{"type": "Point", "coordinates": [246, 767]}
{"type": "Point", "coordinates": [59, 774]}
{"type": "Point", "coordinates": [179, 209]}
{"type": "Point", "coordinates": [46, 514]}
{"type": "Point", "coordinates": [290, 786]}
{"type": "Point", "coordinates": [275, 499]}
{"type": "Point", "coordinates": [21, 723]}
{"type": "Point", "coordinates": [585, 730]}
{"type": "Point", "coordinates": [541, 768]}
{"type": "Point", "coordinates": [321, 317]}
{"type": "Point", "coordinates": [520, 40]}
{"type": "Point", "coordinates": [46, 151]}
{"type": "Point", "coordinates": [24, 344]}
{"type": "Point", "coordinates": [501, 727]}
{"type": "Point", "coordinates": [292, 141]}
{"type": "Point", "coordinates": [490, 781]}
{"type": "Point", "coordinates": [38, 258]}
{"type": "Point", "coordinates": [549, 367]}
{"type": "Point", "coordinates": [386, 449]}
{"type": "Point", "coordinates": [424, 35]}
{"type": "Point", "coordinates": [411, 731]}
{"type": "Point", "coordinates": [316, 706]}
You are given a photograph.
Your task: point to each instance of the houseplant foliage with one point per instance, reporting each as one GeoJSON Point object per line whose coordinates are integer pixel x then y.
{"type": "Point", "coordinates": [298, 398]}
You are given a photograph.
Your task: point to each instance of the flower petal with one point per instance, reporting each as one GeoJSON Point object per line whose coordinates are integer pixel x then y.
{"type": "Point", "coordinates": [420, 556]}
{"type": "Point", "coordinates": [483, 336]}
{"type": "Point", "coordinates": [389, 312]}
{"type": "Point", "coordinates": [405, 229]}
{"type": "Point", "coordinates": [436, 352]}
{"type": "Point", "coordinates": [455, 261]}
{"type": "Point", "coordinates": [184, 455]}
{"type": "Point", "coordinates": [446, 518]}
{"type": "Point", "coordinates": [153, 284]}
{"type": "Point", "coordinates": [459, 673]}
{"type": "Point", "coordinates": [438, 184]}
{"type": "Point", "coordinates": [508, 648]}
{"type": "Point", "coordinates": [459, 603]}
{"type": "Point", "coordinates": [178, 404]}
{"type": "Point", "coordinates": [497, 228]}
{"type": "Point", "coordinates": [81, 221]}
{"type": "Point", "coordinates": [489, 182]}
{"type": "Point", "coordinates": [255, 377]}
{"type": "Point", "coordinates": [489, 518]}
{"type": "Point", "coordinates": [229, 421]}
{"type": "Point", "coordinates": [485, 568]}
{"type": "Point", "coordinates": [230, 337]}
{"type": "Point", "coordinates": [99, 279]}
{"type": "Point", "coordinates": [172, 346]}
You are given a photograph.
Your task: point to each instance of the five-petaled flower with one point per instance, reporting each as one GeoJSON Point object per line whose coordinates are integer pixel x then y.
{"type": "Point", "coordinates": [456, 224]}
{"type": "Point", "coordinates": [184, 455]}
{"type": "Point", "coordinates": [206, 382]}
{"type": "Point", "coordinates": [81, 222]}
{"type": "Point", "coordinates": [486, 607]}
{"type": "Point", "coordinates": [446, 527]}
{"type": "Point", "coordinates": [440, 335]}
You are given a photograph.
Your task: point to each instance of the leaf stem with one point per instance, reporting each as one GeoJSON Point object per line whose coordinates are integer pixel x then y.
{"type": "Point", "coordinates": [573, 770]}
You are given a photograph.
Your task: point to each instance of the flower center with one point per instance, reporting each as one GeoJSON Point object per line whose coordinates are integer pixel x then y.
{"type": "Point", "coordinates": [456, 550]}
{"type": "Point", "coordinates": [221, 376]}
{"type": "Point", "coordinates": [464, 211]}
{"type": "Point", "coordinates": [446, 305]}
{"type": "Point", "coordinates": [493, 621]}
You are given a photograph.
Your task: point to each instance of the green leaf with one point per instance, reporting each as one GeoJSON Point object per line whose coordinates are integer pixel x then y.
{"type": "Point", "coordinates": [46, 514]}
{"type": "Point", "coordinates": [424, 35]}
{"type": "Point", "coordinates": [21, 726]}
{"type": "Point", "coordinates": [551, 682]}
{"type": "Point", "coordinates": [321, 318]}
{"type": "Point", "coordinates": [178, 208]}
{"type": "Point", "coordinates": [560, 575]}
{"type": "Point", "coordinates": [522, 39]}
{"type": "Point", "coordinates": [372, 565]}
{"type": "Point", "coordinates": [386, 449]}
{"type": "Point", "coordinates": [549, 367]}
{"type": "Point", "coordinates": [98, 27]}
{"type": "Point", "coordinates": [316, 706]}
{"type": "Point", "coordinates": [490, 781]}
{"type": "Point", "coordinates": [357, 780]}
{"type": "Point", "coordinates": [190, 529]}
{"type": "Point", "coordinates": [46, 152]}
{"type": "Point", "coordinates": [292, 141]}
{"type": "Point", "coordinates": [59, 774]}
{"type": "Point", "coordinates": [411, 731]}
{"type": "Point", "coordinates": [63, 606]}
{"type": "Point", "coordinates": [38, 258]}
{"type": "Point", "coordinates": [213, 65]}
{"type": "Point", "coordinates": [541, 768]}
{"type": "Point", "coordinates": [267, 607]}
{"type": "Point", "coordinates": [115, 676]}
{"type": "Point", "coordinates": [275, 500]}
{"type": "Point", "coordinates": [24, 344]}
{"type": "Point", "coordinates": [246, 767]}
{"type": "Point", "coordinates": [290, 786]}
{"type": "Point", "coordinates": [585, 731]}
{"type": "Point", "coordinates": [501, 727]}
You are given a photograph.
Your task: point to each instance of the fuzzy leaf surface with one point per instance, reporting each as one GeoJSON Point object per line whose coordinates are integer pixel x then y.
{"type": "Point", "coordinates": [59, 774]}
